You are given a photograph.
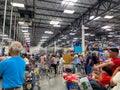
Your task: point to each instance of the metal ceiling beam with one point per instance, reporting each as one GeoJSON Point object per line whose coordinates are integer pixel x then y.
{"type": "Point", "coordinates": [59, 2]}
{"type": "Point", "coordinates": [58, 16]}
{"type": "Point", "coordinates": [50, 9]}
{"type": "Point", "coordinates": [50, 20]}
{"type": "Point", "coordinates": [84, 19]}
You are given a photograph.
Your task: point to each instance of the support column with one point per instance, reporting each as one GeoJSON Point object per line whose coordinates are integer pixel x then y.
{"type": "Point", "coordinates": [10, 24]}
{"type": "Point", "coordinates": [83, 40]}
{"type": "Point", "coordinates": [4, 23]}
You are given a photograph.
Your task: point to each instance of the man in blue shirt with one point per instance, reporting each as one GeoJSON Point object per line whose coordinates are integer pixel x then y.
{"type": "Point", "coordinates": [12, 69]}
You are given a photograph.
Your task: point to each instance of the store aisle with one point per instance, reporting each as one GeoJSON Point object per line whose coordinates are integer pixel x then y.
{"type": "Point", "coordinates": [55, 83]}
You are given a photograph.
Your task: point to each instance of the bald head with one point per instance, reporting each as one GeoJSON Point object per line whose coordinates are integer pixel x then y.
{"type": "Point", "coordinates": [16, 47]}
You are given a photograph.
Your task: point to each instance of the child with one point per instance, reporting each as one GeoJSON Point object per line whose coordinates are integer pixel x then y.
{"type": "Point", "coordinates": [104, 78]}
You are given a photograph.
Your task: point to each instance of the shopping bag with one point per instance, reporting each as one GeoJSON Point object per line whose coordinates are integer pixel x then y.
{"type": "Point", "coordinates": [85, 84]}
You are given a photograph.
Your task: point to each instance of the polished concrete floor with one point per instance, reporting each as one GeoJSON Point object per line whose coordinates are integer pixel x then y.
{"type": "Point", "coordinates": [55, 83]}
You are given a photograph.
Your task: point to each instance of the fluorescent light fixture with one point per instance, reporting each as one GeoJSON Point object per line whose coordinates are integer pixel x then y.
{"type": "Point", "coordinates": [17, 5]}
{"type": "Point", "coordinates": [48, 32]}
{"type": "Point", "coordinates": [92, 17]}
{"type": "Point", "coordinates": [75, 38]}
{"type": "Point", "coordinates": [106, 27]}
{"type": "Point", "coordinates": [117, 36]}
{"type": "Point", "coordinates": [21, 23]}
{"type": "Point", "coordinates": [69, 2]}
{"type": "Point", "coordinates": [72, 33]}
{"type": "Point", "coordinates": [28, 41]}
{"type": "Point", "coordinates": [69, 11]}
{"type": "Point", "coordinates": [25, 27]}
{"type": "Point", "coordinates": [110, 35]}
{"type": "Point", "coordinates": [59, 40]}
{"type": "Point", "coordinates": [54, 22]}
{"type": "Point", "coordinates": [92, 35]}
{"type": "Point", "coordinates": [87, 34]}
{"type": "Point", "coordinates": [4, 35]}
{"type": "Point", "coordinates": [25, 31]}
{"type": "Point", "coordinates": [45, 37]}
{"type": "Point", "coordinates": [56, 25]}
{"type": "Point", "coordinates": [27, 38]}
{"type": "Point", "coordinates": [5, 38]}
{"type": "Point", "coordinates": [97, 18]}
{"type": "Point", "coordinates": [43, 40]}
{"type": "Point", "coordinates": [108, 17]}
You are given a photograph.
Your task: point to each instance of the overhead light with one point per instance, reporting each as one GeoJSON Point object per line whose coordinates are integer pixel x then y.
{"type": "Point", "coordinates": [110, 35]}
{"type": "Point", "coordinates": [72, 33]}
{"type": "Point", "coordinates": [69, 11]}
{"type": "Point", "coordinates": [4, 35]}
{"type": "Point", "coordinates": [92, 17]}
{"type": "Point", "coordinates": [28, 41]}
{"type": "Point", "coordinates": [69, 2]}
{"type": "Point", "coordinates": [27, 38]}
{"type": "Point", "coordinates": [106, 27]}
{"type": "Point", "coordinates": [92, 34]}
{"type": "Point", "coordinates": [43, 40]}
{"type": "Point", "coordinates": [117, 36]}
{"type": "Point", "coordinates": [59, 40]}
{"type": "Point", "coordinates": [25, 27]}
{"type": "Point", "coordinates": [56, 25]}
{"type": "Point", "coordinates": [108, 17]}
{"type": "Point", "coordinates": [45, 37]}
{"type": "Point", "coordinates": [87, 34]}
{"type": "Point", "coordinates": [54, 22]}
{"type": "Point", "coordinates": [5, 38]}
{"type": "Point", "coordinates": [17, 5]}
{"type": "Point", "coordinates": [97, 18]}
{"type": "Point", "coordinates": [48, 32]}
{"type": "Point", "coordinates": [24, 31]}
{"type": "Point", "coordinates": [75, 38]}
{"type": "Point", "coordinates": [21, 23]}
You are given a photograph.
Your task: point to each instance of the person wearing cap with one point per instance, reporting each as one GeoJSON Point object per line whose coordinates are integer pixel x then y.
{"type": "Point", "coordinates": [12, 69]}
{"type": "Point", "coordinates": [114, 63]}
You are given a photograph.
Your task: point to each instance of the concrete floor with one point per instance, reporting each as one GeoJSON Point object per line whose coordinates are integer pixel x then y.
{"type": "Point", "coordinates": [55, 83]}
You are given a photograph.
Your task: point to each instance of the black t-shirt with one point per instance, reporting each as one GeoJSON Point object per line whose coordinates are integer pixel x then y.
{"type": "Point", "coordinates": [88, 59]}
{"type": "Point", "coordinates": [95, 60]}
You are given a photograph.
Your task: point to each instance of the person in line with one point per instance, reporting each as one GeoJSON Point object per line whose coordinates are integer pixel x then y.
{"type": "Point", "coordinates": [54, 63]}
{"type": "Point", "coordinates": [12, 70]}
{"type": "Point", "coordinates": [89, 64]}
{"type": "Point", "coordinates": [114, 63]}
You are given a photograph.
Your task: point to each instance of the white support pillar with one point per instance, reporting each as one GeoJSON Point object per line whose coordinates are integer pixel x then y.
{"type": "Point", "coordinates": [55, 47]}
{"type": "Point", "coordinates": [4, 22]}
{"type": "Point", "coordinates": [83, 40]}
{"type": "Point", "coordinates": [10, 23]}
{"type": "Point", "coordinates": [14, 27]}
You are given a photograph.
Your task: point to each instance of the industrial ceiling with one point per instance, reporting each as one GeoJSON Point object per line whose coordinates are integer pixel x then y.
{"type": "Point", "coordinates": [60, 21]}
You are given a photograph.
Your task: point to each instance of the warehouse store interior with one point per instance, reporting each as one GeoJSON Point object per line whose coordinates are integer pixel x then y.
{"type": "Point", "coordinates": [60, 27]}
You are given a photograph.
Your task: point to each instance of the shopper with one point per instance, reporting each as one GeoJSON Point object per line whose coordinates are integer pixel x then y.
{"type": "Point", "coordinates": [54, 63]}
{"type": "Point", "coordinates": [115, 61]}
{"type": "Point", "coordinates": [12, 70]}
{"type": "Point", "coordinates": [88, 64]}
